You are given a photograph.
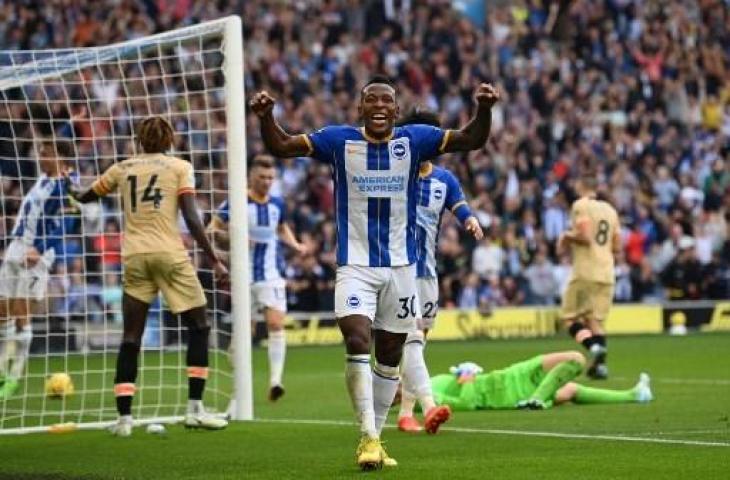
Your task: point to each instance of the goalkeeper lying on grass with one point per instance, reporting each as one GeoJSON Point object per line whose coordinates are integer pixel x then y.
{"type": "Point", "coordinates": [536, 384]}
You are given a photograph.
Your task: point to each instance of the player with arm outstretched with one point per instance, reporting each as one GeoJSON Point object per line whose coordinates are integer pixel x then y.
{"type": "Point", "coordinates": [594, 238]}
{"type": "Point", "coordinates": [438, 190]}
{"type": "Point", "coordinates": [267, 224]}
{"type": "Point", "coordinates": [154, 187]}
{"type": "Point", "coordinates": [45, 216]}
{"type": "Point", "coordinates": [375, 171]}
{"type": "Point", "coordinates": [534, 384]}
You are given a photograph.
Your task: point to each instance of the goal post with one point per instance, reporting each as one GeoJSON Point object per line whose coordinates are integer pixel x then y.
{"type": "Point", "coordinates": [238, 194]}
{"type": "Point", "coordinates": [92, 99]}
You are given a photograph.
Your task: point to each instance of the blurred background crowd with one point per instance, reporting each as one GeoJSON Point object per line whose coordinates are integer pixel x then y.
{"type": "Point", "coordinates": [640, 88]}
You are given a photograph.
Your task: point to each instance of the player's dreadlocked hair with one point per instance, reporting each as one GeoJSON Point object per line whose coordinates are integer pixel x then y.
{"type": "Point", "coordinates": [155, 134]}
{"type": "Point", "coordinates": [419, 115]}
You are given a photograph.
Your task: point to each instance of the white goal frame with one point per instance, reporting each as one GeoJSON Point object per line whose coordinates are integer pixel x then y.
{"type": "Point", "coordinates": [230, 29]}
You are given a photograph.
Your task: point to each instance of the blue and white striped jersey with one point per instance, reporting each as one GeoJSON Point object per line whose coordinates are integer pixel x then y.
{"type": "Point", "coordinates": [45, 215]}
{"type": "Point", "coordinates": [437, 191]}
{"type": "Point", "coordinates": [375, 190]}
{"type": "Point", "coordinates": [263, 223]}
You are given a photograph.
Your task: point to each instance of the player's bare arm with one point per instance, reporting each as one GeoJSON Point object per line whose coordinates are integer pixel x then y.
{"type": "Point", "coordinates": [475, 133]}
{"type": "Point", "coordinates": [218, 230]}
{"type": "Point", "coordinates": [287, 236]}
{"type": "Point", "coordinates": [277, 141]}
{"type": "Point", "coordinates": [195, 226]}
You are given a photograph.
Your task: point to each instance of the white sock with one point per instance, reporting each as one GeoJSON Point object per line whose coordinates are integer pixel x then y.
{"type": "Point", "coordinates": [125, 419]}
{"type": "Point", "coordinates": [407, 401]}
{"type": "Point", "coordinates": [416, 380]}
{"type": "Point", "coordinates": [277, 354]}
{"type": "Point", "coordinates": [359, 381]}
{"type": "Point", "coordinates": [23, 337]}
{"type": "Point", "coordinates": [385, 384]}
{"type": "Point", "coordinates": [195, 406]}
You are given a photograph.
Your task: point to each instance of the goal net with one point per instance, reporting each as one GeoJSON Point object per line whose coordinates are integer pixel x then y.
{"type": "Point", "coordinates": [91, 100]}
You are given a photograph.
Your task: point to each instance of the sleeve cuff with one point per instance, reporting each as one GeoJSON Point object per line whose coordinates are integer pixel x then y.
{"type": "Point", "coordinates": [462, 211]}
{"type": "Point", "coordinates": [308, 141]}
{"type": "Point", "coordinates": [444, 141]}
{"type": "Point", "coordinates": [100, 188]}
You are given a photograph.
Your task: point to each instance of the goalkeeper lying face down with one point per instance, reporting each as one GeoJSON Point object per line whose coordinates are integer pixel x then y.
{"type": "Point", "coordinates": [536, 384]}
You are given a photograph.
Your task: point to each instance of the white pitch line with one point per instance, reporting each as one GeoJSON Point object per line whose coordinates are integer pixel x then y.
{"type": "Point", "coordinates": [687, 381]}
{"type": "Point", "coordinates": [525, 433]}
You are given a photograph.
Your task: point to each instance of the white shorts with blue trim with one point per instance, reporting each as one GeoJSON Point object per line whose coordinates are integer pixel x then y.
{"type": "Point", "coordinates": [388, 296]}
{"type": "Point", "coordinates": [268, 294]}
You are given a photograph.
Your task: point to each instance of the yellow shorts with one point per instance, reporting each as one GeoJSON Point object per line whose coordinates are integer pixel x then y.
{"type": "Point", "coordinates": [586, 298]}
{"type": "Point", "coordinates": [147, 273]}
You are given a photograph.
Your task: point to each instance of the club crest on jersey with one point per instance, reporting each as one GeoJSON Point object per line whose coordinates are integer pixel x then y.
{"type": "Point", "coordinates": [353, 301]}
{"type": "Point", "coordinates": [398, 149]}
{"type": "Point", "coordinates": [437, 194]}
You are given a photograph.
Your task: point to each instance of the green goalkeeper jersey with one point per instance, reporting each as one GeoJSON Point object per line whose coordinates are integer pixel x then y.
{"type": "Point", "coordinates": [500, 389]}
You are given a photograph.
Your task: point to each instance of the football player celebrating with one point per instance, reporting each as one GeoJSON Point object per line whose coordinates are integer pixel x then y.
{"type": "Point", "coordinates": [375, 170]}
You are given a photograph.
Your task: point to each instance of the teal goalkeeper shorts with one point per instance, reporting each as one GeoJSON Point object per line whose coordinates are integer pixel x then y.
{"type": "Point", "coordinates": [515, 383]}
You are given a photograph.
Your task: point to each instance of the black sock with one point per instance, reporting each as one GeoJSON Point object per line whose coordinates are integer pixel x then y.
{"type": "Point", "coordinates": [577, 327]}
{"type": "Point", "coordinates": [195, 388]}
{"type": "Point", "coordinates": [126, 372]}
{"type": "Point", "coordinates": [124, 405]}
{"type": "Point", "coordinates": [197, 356]}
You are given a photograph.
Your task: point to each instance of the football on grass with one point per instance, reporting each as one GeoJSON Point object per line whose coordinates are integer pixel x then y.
{"type": "Point", "coordinates": [59, 385]}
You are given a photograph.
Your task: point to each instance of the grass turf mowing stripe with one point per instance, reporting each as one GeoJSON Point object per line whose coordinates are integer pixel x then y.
{"type": "Point", "coordinates": [526, 433]}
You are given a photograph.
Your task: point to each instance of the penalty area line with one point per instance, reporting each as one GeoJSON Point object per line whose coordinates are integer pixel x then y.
{"type": "Point", "coordinates": [524, 433]}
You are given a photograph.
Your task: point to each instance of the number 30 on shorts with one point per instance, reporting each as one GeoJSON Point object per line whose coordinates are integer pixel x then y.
{"type": "Point", "coordinates": [407, 307]}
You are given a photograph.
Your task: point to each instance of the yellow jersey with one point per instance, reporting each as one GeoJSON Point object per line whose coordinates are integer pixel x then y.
{"type": "Point", "coordinates": [594, 262]}
{"type": "Point", "coordinates": [149, 185]}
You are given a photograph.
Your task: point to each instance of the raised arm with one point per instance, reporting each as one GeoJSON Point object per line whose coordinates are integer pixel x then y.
{"type": "Point", "coordinates": [197, 230]}
{"type": "Point", "coordinates": [277, 141]}
{"type": "Point", "coordinates": [474, 134]}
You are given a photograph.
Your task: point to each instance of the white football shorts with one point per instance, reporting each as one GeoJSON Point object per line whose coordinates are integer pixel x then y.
{"type": "Point", "coordinates": [388, 296]}
{"type": "Point", "coordinates": [268, 294]}
{"type": "Point", "coordinates": [428, 293]}
{"type": "Point", "coordinates": [16, 281]}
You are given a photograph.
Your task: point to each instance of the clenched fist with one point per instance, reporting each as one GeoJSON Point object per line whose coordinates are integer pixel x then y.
{"type": "Point", "coordinates": [262, 103]}
{"type": "Point", "coordinates": [486, 95]}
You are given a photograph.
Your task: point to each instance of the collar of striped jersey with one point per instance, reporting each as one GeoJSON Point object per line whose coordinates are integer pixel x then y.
{"type": "Point", "coordinates": [375, 140]}
{"type": "Point", "coordinates": [425, 170]}
{"type": "Point", "coordinates": [256, 198]}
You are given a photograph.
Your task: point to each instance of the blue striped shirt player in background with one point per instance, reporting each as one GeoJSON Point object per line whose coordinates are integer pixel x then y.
{"type": "Point", "coordinates": [266, 226]}
{"type": "Point", "coordinates": [375, 172]}
{"type": "Point", "coordinates": [438, 191]}
{"type": "Point", "coordinates": [46, 214]}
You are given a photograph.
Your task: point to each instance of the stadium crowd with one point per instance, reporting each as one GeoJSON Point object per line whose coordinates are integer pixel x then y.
{"type": "Point", "coordinates": [640, 88]}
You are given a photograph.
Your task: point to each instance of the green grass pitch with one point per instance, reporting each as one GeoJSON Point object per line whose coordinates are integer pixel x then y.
{"type": "Point", "coordinates": [684, 434]}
